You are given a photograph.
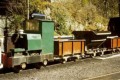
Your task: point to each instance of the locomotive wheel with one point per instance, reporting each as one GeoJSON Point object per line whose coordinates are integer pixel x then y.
{"type": "Point", "coordinates": [38, 65]}
{"type": "Point", "coordinates": [45, 62]}
{"type": "Point", "coordinates": [23, 65]}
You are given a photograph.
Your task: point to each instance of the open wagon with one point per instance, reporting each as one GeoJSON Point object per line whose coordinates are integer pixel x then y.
{"type": "Point", "coordinates": [65, 49]}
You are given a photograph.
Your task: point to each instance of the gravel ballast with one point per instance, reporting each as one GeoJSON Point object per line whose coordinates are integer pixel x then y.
{"type": "Point", "coordinates": [80, 70]}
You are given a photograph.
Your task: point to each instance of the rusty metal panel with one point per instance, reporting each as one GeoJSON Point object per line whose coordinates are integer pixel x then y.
{"type": "Point", "coordinates": [111, 43]}
{"type": "Point", "coordinates": [119, 42]}
{"type": "Point", "coordinates": [77, 47]}
{"type": "Point", "coordinates": [62, 48]}
{"type": "Point", "coordinates": [114, 43]}
{"type": "Point", "coordinates": [69, 47]}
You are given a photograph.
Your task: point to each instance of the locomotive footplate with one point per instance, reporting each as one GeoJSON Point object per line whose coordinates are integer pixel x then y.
{"type": "Point", "coordinates": [18, 60]}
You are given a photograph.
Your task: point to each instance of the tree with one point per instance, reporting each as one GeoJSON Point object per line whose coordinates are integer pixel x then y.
{"type": "Point", "coordinates": [66, 14]}
{"type": "Point", "coordinates": [17, 11]}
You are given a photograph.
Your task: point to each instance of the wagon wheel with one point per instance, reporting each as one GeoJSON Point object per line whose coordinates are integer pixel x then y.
{"type": "Point", "coordinates": [45, 62]}
{"type": "Point", "coordinates": [92, 55]}
{"type": "Point", "coordinates": [102, 53]}
{"type": "Point", "coordinates": [99, 53]}
{"type": "Point", "coordinates": [63, 61]}
{"type": "Point", "coordinates": [113, 51]}
{"type": "Point", "coordinates": [83, 56]}
{"type": "Point", "coordinates": [118, 50]}
{"type": "Point", "coordinates": [75, 59]}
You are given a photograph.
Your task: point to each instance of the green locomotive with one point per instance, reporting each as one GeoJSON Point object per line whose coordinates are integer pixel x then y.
{"type": "Point", "coordinates": [34, 45]}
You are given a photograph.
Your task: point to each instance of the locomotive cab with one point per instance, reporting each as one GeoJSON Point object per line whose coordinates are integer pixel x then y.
{"type": "Point", "coordinates": [27, 42]}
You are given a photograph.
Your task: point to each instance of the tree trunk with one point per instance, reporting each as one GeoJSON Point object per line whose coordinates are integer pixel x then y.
{"type": "Point", "coordinates": [106, 8]}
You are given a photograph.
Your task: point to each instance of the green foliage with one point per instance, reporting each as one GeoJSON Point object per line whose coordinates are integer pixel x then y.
{"type": "Point", "coordinates": [68, 14]}
{"type": "Point", "coordinates": [80, 12]}
{"type": "Point", "coordinates": [16, 22]}
{"type": "Point", "coordinates": [59, 15]}
{"type": "Point", "coordinates": [85, 2]}
{"type": "Point", "coordinates": [38, 5]}
{"type": "Point", "coordinates": [18, 11]}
